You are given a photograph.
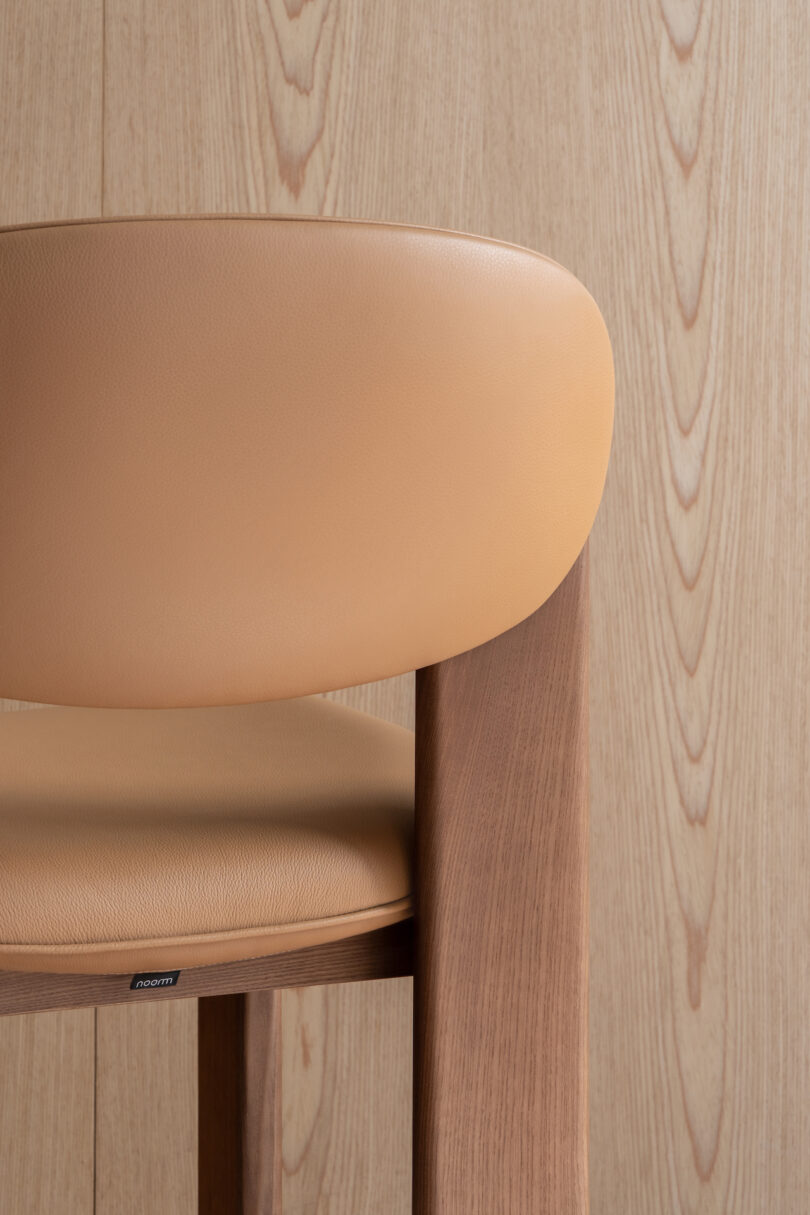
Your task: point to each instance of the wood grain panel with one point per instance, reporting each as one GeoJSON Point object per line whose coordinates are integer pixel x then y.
{"type": "Point", "coordinates": [50, 151]}
{"type": "Point", "coordinates": [50, 102]}
{"type": "Point", "coordinates": [699, 253]}
{"type": "Point", "coordinates": [347, 1095]}
{"type": "Point", "coordinates": [212, 107]}
{"type": "Point", "coordinates": [146, 1109]}
{"type": "Point", "coordinates": [414, 148]}
{"type": "Point", "coordinates": [46, 1114]}
{"type": "Point", "coordinates": [700, 757]}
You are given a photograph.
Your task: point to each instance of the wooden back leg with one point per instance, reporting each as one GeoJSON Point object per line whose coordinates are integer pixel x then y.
{"type": "Point", "coordinates": [501, 921]}
{"type": "Point", "coordinates": [239, 1104]}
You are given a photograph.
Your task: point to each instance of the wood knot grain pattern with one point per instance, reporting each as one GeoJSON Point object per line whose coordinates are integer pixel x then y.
{"type": "Point", "coordinates": [293, 55]}
{"type": "Point", "coordinates": [693, 548]}
{"type": "Point", "coordinates": [227, 107]}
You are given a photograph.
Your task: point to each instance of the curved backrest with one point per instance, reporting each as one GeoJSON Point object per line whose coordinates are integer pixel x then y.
{"type": "Point", "coordinates": [252, 458]}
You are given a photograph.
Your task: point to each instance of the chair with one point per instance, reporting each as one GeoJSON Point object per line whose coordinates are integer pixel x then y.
{"type": "Point", "coordinates": [245, 461]}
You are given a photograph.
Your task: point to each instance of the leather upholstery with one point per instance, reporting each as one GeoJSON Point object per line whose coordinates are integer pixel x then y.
{"type": "Point", "coordinates": [250, 458]}
{"type": "Point", "coordinates": [155, 840]}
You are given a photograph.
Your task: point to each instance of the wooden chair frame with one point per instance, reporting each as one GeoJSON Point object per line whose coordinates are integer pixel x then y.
{"type": "Point", "coordinates": [498, 950]}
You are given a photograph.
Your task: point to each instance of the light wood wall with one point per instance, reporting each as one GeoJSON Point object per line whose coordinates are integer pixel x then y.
{"type": "Point", "coordinates": [658, 149]}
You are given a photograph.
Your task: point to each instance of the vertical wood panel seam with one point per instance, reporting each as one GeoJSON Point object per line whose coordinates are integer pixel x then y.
{"type": "Point", "coordinates": [103, 122]}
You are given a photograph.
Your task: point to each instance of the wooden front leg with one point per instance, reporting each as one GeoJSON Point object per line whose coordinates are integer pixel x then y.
{"type": "Point", "coordinates": [239, 1104]}
{"type": "Point", "coordinates": [501, 920]}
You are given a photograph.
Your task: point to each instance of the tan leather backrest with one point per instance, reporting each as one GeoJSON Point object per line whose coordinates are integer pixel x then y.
{"type": "Point", "coordinates": [250, 458]}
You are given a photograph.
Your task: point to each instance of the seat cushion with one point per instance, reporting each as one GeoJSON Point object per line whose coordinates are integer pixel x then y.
{"type": "Point", "coordinates": [135, 840]}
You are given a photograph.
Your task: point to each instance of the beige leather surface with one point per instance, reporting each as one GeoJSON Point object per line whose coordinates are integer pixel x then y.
{"type": "Point", "coordinates": [139, 840]}
{"type": "Point", "coordinates": [249, 458]}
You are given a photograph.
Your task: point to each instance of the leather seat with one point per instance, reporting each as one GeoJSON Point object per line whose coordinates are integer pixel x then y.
{"type": "Point", "coordinates": [134, 840]}
{"type": "Point", "coordinates": [246, 459]}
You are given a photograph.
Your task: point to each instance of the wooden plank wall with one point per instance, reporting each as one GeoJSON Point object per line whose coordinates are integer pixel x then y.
{"type": "Point", "coordinates": [657, 148]}
{"type": "Point", "coordinates": [50, 166]}
{"type": "Point", "coordinates": [696, 239]}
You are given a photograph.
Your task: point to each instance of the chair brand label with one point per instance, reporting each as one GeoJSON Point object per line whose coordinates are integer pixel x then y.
{"type": "Point", "coordinates": [157, 978]}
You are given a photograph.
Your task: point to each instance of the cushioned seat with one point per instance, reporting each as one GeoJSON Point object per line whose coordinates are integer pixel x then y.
{"type": "Point", "coordinates": [136, 840]}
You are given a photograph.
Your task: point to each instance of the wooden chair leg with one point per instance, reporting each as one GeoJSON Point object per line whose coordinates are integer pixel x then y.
{"type": "Point", "coordinates": [239, 1104]}
{"type": "Point", "coordinates": [501, 922]}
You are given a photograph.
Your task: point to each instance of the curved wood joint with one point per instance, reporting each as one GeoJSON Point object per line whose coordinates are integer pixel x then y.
{"type": "Point", "coordinates": [501, 923]}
